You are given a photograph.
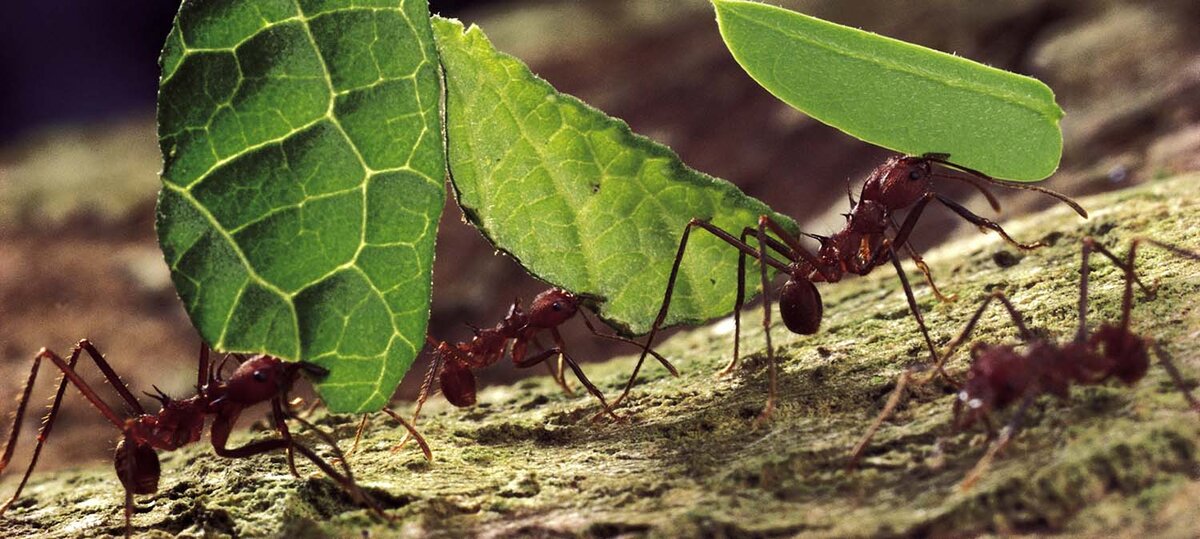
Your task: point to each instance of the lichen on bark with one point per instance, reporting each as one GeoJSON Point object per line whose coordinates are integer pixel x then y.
{"type": "Point", "coordinates": [527, 459]}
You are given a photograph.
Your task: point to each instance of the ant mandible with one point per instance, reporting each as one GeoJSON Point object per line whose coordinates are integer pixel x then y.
{"type": "Point", "coordinates": [1000, 376]}
{"type": "Point", "coordinates": [859, 247]}
{"type": "Point", "coordinates": [452, 363]}
{"type": "Point", "coordinates": [180, 422]}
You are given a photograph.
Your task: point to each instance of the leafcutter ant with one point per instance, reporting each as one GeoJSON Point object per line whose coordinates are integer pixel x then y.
{"type": "Point", "coordinates": [179, 422]}
{"type": "Point", "coordinates": [453, 364]}
{"type": "Point", "coordinates": [1001, 376]}
{"type": "Point", "coordinates": [860, 246]}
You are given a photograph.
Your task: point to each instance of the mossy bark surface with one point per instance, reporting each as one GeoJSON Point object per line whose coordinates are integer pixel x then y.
{"type": "Point", "coordinates": [528, 461]}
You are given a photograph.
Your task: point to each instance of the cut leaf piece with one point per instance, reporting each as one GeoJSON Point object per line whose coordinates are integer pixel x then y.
{"type": "Point", "coordinates": [898, 95]}
{"type": "Point", "coordinates": [577, 198]}
{"type": "Point", "coordinates": [303, 171]}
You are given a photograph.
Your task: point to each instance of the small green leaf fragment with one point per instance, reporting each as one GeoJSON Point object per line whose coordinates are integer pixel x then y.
{"type": "Point", "coordinates": [302, 182]}
{"type": "Point", "coordinates": [577, 198]}
{"type": "Point", "coordinates": [898, 95]}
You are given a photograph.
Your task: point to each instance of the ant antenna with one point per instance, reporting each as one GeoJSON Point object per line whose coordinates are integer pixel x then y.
{"type": "Point", "coordinates": [939, 159]}
{"type": "Point", "coordinates": [991, 198]}
{"type": "Point", "coordinates": [850, 195]}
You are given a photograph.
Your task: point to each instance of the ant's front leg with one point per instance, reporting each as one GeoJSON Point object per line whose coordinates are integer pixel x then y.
{"type": "Point", "coordinates": [222, 427]}
{"type": "Point", "coordinates": [920, 262]}
{"type": "Point", "coordinates": [522, 362]}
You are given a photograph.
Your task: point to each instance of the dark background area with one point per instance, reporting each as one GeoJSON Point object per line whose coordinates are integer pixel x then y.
{"type": "Point", "coordinates": [78, 157]}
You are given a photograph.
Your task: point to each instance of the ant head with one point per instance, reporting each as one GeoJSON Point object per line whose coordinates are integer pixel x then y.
{"type": "Point", "coordinates": [800, 306]}
{"type": "Point", "coordinates": [552, 307]}
{"type": "Point", "coordinates": [262, 377]}
{"type": "Point", "coordinates": [900, 181]}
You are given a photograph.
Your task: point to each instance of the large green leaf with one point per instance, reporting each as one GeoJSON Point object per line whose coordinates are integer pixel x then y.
{"type": "Point", "coordinates": [576, 197]}
{"type": "Point", "coordinates": [895, 94]}
{"type": "Point", "coordinates": [302, 182]}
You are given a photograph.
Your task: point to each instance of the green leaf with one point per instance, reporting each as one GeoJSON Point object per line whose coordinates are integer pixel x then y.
{"type": "Point", "coordinates": [303, 181]}
{"type": "Point", "coordinates": [897, 95]}
{"type": "Point", "coordinates": [576, 197]}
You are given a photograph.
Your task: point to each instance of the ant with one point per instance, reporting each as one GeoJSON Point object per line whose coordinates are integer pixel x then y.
{"type": "Point", "coordinates": [1000, 376]}
{"type": "Point", "coordinates": [452, 363]}
{"type": "Point", "coordinates": [860, 246]}
{"type": "Point", "coordinates": [179, 422]}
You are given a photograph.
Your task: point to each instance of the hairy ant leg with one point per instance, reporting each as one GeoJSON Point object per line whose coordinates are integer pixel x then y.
{"type": "Point", "coordinates": [68, 376]}
{"type": "Point", "coordinates": [435, 367]}
{"type": "Point", "coordinates": [412, 435]}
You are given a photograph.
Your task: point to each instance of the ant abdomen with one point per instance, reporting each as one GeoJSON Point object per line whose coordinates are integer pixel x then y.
{"type": "Point", "coordinates": [458, 384]}
{"type": "Point", "coordinates": [137, 467]}
{"type": "Point", "coordinates": [800, 306]}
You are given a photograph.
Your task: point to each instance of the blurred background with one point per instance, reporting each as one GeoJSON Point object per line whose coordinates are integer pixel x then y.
{"type": "Point", "coordinates": [79, 158]}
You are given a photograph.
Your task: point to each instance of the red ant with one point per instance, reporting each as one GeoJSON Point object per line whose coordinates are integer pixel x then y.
{"type": "Point", "coordinates": [1000, 376]}
{"type": "Point", "coordinates": [453, 363]}
{"type": "Point", "coordinates": [859, 247]}
{"type": "Point", "coordinates": [180, 422]}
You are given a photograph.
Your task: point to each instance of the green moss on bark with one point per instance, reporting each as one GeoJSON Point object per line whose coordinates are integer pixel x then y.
{"type": "Point", "coordinates": [527, 460]}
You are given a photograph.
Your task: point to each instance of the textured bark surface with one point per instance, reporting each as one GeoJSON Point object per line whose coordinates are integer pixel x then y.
{"type": "Point", "coordinates": [526, 460]}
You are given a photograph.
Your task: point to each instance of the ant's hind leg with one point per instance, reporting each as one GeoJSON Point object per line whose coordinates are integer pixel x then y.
{"type": "Point", "coordinates": [412, 434]}
{"type": "Point", "coordinates": [69, 375]}
{"type": "Point", "coordinates": [888, 409]}
{"type": "Point", "coordinates": [998, 445]}
{"type": "Point", "coordinates": [1176, 377]}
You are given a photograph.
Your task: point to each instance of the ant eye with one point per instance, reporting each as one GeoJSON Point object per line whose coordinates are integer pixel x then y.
{"type": "Point", "coordinates": [260, 376]}
{"type": "Point", "coordinates": [557, 306]}
{"type": "Point", "coordinates": [915, 174]}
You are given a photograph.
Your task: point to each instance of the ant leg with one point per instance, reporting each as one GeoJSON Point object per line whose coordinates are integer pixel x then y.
{"type": "Point", "coordinates": [1006, 436]}
{"type": "Point", "coordinates": [412, 433]}
{"type": "Point", "coordinates": [1165, 359]}
{"type": "Point", "coordinates": [790, 252]}
{"type": "Point", "coordinates": [888, 409]}
{"type": "Point", "coordinates": [1168, 247]}
{"type": "Point", "coordinates": [113, 379]}
{"type": "Point", "coordinates": [426, 387]}
{"type": "Point", "coordinates": [560, 349]}
{"type": "Point", "coordinates": [916, 311]}
{"type": "Point", "coordinates": [920, 262]}
{"type": "Point", "coordinates": [1018, 321]}
{"type": "Point", "coordinates": [281, 426]}
{"type": "Point", "coordinates": [587, 322]}
{"type": "Point", "coordinates": [667, 294]}
{"type": "Point", "coordinates": [557, 372]}
{"type": "Point", "coordinates": [984, 222]}
{"type": "Point", "coordinates": [358, 434]}
{"type": "Point", "coordinates": [69, 375]}
{"type": "Point", "coordinates": [772, 391]}
{"type": "Point", "coordinates": [223, 426]}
